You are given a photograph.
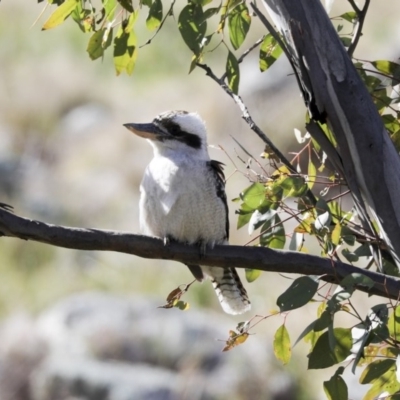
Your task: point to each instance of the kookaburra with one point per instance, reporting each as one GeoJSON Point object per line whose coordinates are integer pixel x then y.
{"type": "Point", "coordinates": [183, 197]}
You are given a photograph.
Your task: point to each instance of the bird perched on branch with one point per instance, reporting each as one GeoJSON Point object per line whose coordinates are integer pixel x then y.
{"type": "Point", "coordinates": [183, 197]}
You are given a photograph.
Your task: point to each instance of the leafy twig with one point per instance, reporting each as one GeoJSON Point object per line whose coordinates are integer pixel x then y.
{"type": "Point", "coordinates": [169, 12]}
{"type": "Point", "coordinates": [245, 54]}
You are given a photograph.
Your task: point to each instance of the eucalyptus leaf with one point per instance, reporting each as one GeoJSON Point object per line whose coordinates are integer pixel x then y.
{"type": "Point", "coordinates": [299, 293]}
{"type": "Point", "coordinates": [232, 72]}
{"type": "Point", "coordinates": [192, 26]}
{"type": "Point", "coordinates": [282, 347]}
{"type": "Point", "coordinates": [336, 388]}
{"type": "Point", "coordinates": [324, 355]}
{"type": "Point", "coordinates": [60, 14]}
{"type": "Point", "coordinates": [239, 24]}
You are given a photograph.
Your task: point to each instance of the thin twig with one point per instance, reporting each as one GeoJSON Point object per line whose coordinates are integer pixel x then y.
{"type": "Point", "coordinates": [361, 15]}
{"type": "Point", "coordinates": [169, 12]}
{"type": "Point", "coordinates": [245, 54]}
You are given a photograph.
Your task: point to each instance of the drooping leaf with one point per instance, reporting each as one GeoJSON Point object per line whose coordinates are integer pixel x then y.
{"type": "Point", "coordinates": [300, 292]}
{"type": "Point", "coordinates": [61, 13]}
{"type": "Point", "coordinates": [127, 4]}
{"type": "Point", "coordinates": [258, 218]}
{"type": "Point", "coordinates": [282, 347]}
{"type": "Point", "coordinates": [325, 354]}
{"type": "Point", "coordinates": [296, 242]}
{"type": "Point", "coordinates": [349, 16]}
{"type": "Point", "coordinates": [239, 24]}
{"type": "Point", "coordinates": [360, 335]}
{"type": "Point", "coordinates": [273, 233]}
{"type": "Point", "coordinates": [293, 186]}
{"type": "Point", "coordinates": [388, 67]}
{"type": "Point", "coordinates": [83, 17]}
{"type": "Point", "coordinates": [232, 72]}
{"type": "Point", "coordinates": [182, 305]}
{"type": "Point", "coordinates": [210, 12]}
{"type": "Point", "coordinates": [125, 47]}
{"type": "Point", "coordinates": [235, 339]}
{"type": "Point", "coordinates": [109, 7]}
{"type": "Point", "coordinates": [192, 26]}
{"type": "Point", "coordinates": [349, 255]}
{"type": "Point", "coordinates": [98, 43]}
{"type": "Point", "coordinates": [336, 388]}
{"type": "Point", "coordinates": [323, 214]}
{"type": "Point", "coordinates": [394, 323]}
{"type": "Point", "coordinates": [312, 174]}
{"type": "Point", "coordinates": [269, 52]}
{"type": "Point", "coordinates": [252, 274]}
{"type": "Point", "coordinates": [245, 212]}
{"type": "Point", "coordinates": [254, 195]}
{"type": "Point", "coordinates": [155, 16]}
{"type": "Point", "coordinates": [350, 281]}
{"type": "Point", "coordinates": [376, 370]}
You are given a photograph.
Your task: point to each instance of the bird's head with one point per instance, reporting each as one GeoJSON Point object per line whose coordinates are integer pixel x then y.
{"type": "Point", "coordinates": [175, 132]}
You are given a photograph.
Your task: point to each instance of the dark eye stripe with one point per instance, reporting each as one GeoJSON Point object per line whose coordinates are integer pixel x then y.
{"type": "Point", "coordinates": [177, 133]}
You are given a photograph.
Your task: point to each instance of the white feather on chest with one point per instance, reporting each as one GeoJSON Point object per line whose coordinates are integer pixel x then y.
{"type": "Point", "coordinates": [179, 199]}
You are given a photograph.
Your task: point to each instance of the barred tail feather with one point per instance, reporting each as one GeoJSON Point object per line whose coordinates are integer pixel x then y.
{"type": "Point", "coordinates": [230, 291]}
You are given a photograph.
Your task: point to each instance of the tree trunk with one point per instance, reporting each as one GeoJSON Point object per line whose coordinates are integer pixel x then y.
{"type": "Point", "coordinates": [335, 94]}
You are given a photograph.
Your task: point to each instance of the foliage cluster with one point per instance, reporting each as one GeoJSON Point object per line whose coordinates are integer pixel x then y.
{"type": "Point", "coordinates": [306, 189]}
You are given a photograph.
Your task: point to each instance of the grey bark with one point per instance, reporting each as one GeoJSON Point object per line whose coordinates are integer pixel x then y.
{"type": "Point", "coordinates": [260, 258]}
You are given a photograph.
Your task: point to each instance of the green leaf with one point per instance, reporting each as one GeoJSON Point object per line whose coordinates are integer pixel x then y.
{"type": "Point", "coordinates": [312, 174]}
{"type": "Point", "coordinates": [127, 4]}
{"type": "Point", "coordinates": [109, 8]}
{"type": "Point", "coordinates": [245, 212]}
{"type": "Point", "coordinates": [83, 17]}
{"type": "Point", "coordinates": [326, 354]}
{"type": "Point", "coordinates": [273, 233]}
{"type": "Point", "coordinates": [125, 46]}
{"type": "Point", "coordinates": [269, 52]}
{"type": "Point", "coordinates": [258, 219]}
{"type": "Point", "coordinates": [210, 12]}
{"type": "Point", "coordinates": [349, 255]}
{"type": "Point", "coordinates": [192, 26]}
{"type": "Point", "coordinates": [61, 13]}
{"type": "Point", "coordinates": [336, 388]}
{"type": "Point", "coordinates": [300, 292]}
{"type": "Point", "coordinates": [350, 281]}
{"type": "Point", "coordinates": [252, 274]}
{"type": "Point", "coordinates": [293, 186]}
{"type": "Point", "coordinates": [394, 323]}
{"type": "Point", "coordinates": [233, 73]}
{"type": "Point", "coordinates": [253, 196]}
{"type": "Point", "coordinates": [376, 370]}
{"type": "Point", "coordinates": [98, 42]}
{"type": "Point", "coordinates": [324, 217]}
{"type": "Point", "coordinates": [349, 16]}
{"type": "Point", "coordinates": [238, 24]}
{"type": "Point", "coordinates": [282, 347]}
{"type": "Point", "coordinates": [388, 67]}
{"type": "Point", "coordinates": [155, 16]}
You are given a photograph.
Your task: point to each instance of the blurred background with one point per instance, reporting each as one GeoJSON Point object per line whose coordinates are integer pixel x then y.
{"type": "Point", "coordinates": [85, 325]}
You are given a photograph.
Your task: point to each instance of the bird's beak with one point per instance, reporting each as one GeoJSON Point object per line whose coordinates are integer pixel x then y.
{"type": "Point", "coordinates": [147, 131]}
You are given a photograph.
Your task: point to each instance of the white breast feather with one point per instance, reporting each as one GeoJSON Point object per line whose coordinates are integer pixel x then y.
{"type": "Point", "coordinates": [181, 201]}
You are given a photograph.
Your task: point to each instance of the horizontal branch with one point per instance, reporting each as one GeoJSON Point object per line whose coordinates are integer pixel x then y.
{"type": "Point", "coordinates": [260, 258]}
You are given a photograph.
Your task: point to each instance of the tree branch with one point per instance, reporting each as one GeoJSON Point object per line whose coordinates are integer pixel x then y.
{"type": "Point", "coordinates": [361, 15]}
{"type": "Point", "coordinates": [260, 258]}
